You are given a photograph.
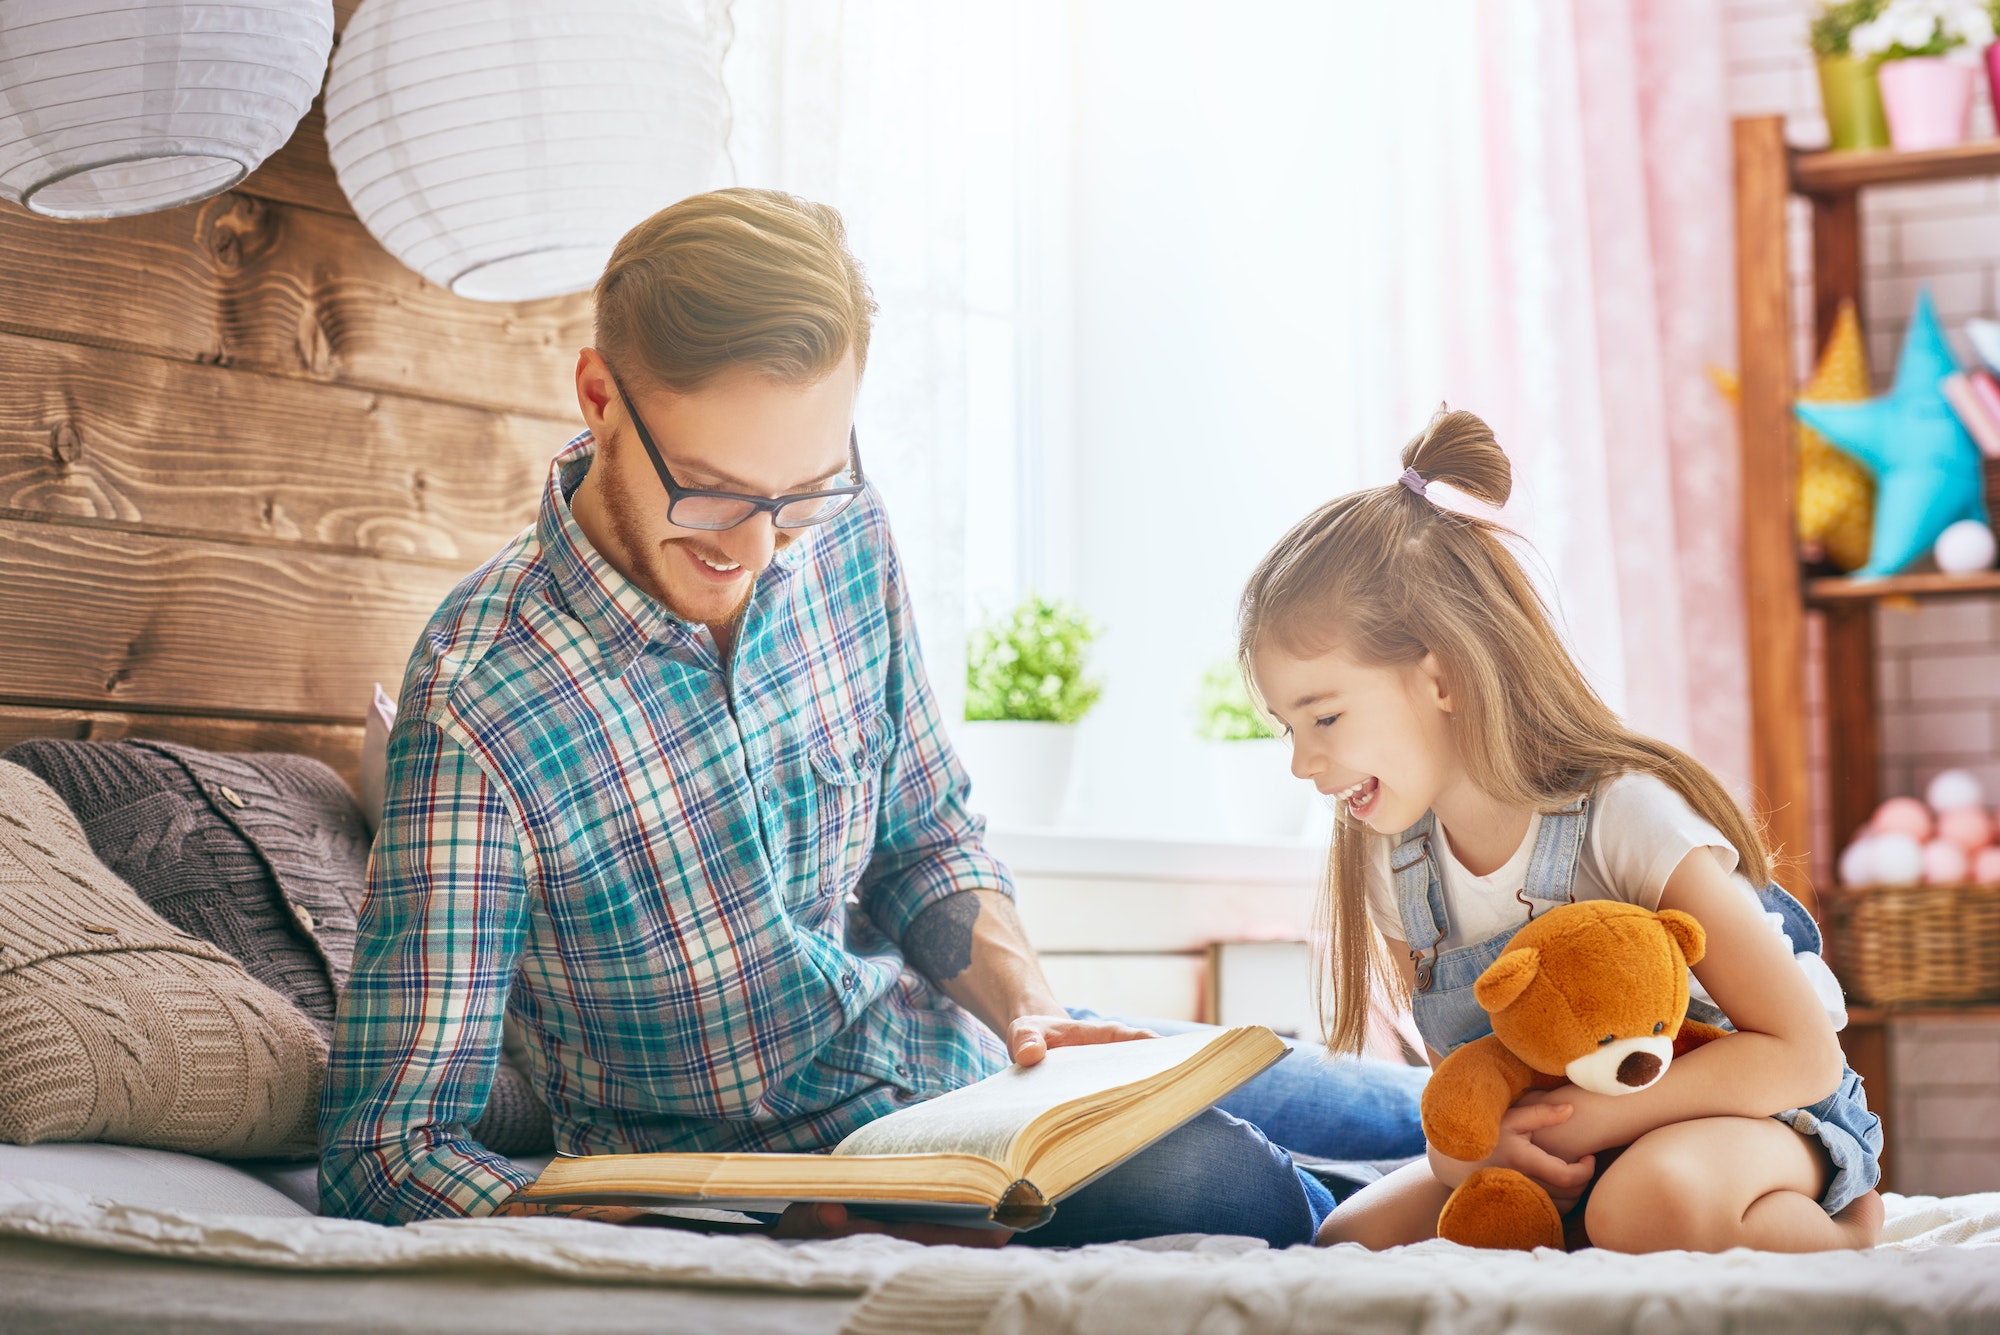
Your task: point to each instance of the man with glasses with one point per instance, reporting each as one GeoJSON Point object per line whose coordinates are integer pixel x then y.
{"type": "Point", "coordinates": [669, 787]}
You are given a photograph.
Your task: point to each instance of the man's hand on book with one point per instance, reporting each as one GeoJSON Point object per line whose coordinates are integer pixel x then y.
{"type": "Point", "coordinates": [826, 1219]}
{"type": "Point", "coordinates": [1029, 1037]}
{"type": "Point", "coordinates": [516, 1207]}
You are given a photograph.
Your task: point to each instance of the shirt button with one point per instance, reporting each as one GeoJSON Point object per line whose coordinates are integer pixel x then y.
{"type": "Point", "coordinates": [847, 980]}
{"type": "Point", "coordinates": [229, 796]}
{"type": "Point", "coordinates": [901, 1069]}
{"type": "Point", "coordinates": [302, 917]}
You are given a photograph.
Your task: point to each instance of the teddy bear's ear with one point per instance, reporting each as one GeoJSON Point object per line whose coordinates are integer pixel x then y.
{"type": "Point", "coordinates": [1686, 933]}
{"type": "Point", "coordinates": [1507, 977]}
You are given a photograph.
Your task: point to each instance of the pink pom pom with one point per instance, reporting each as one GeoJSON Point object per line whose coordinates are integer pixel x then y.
{"type": "Point", "coordinates": [1895, 859]}
{"type": "Point", "coordinates": [1944, 862]}
{"type": "Point", "coordinates": [1986, 866]}
{"type": "Point", "coordinates": [1903, 815]}
{"type": "Point", "coordinates": [1968, 827]}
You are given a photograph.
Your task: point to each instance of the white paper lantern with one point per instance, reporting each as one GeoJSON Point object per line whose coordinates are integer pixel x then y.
{"type": "Point", "coordinates": [126, 106]}
{"type": "Point", "coordinates": [501, 147]}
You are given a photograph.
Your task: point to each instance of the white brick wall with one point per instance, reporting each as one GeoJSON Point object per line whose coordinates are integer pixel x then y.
{"type": "Point", "coordinates": [1944, 1122]}
{"type": "Point", "coordinates": [1938, 674]}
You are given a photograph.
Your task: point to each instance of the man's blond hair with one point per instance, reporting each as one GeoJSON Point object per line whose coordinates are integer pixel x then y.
{"type": "Point", "coordinates": [737, 277]}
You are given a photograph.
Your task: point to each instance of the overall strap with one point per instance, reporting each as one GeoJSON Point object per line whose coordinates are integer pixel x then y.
{"type": "Point", "coordinates": [1558, 847]}
{"type": "Point", "coordinates": [1419, 888]}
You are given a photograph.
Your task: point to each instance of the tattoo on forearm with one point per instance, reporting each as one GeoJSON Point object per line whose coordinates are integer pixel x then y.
{"type": "Point", "coordinates": [939, 942]}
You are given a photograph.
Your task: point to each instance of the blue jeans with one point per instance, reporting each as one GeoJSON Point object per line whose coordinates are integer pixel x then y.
{"type": "Point", "coordinates": [1230, 1170]}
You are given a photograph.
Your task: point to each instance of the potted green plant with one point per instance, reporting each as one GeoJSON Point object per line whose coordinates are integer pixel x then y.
{"type": "Point", "coordinates": [1252, 789]}
{"type": "Point", "coordinates": [1926, 55]}
{"type": "Point", "coordinates": [1027, 686]}
{"type": "Point", "coordinates": [1847, 83]}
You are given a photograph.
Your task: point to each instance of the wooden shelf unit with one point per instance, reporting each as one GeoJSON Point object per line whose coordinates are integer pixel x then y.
{"type": "Point", "coordinates": [1845, 592]}
{"type": "Point", "coordinates": [1768, 175]}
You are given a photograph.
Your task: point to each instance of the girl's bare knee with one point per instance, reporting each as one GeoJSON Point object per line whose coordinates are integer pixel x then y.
{"type": "Point", "coordinates": [1400, 1208]}
{"type": "Point", "coordinates": [1650, 1204]}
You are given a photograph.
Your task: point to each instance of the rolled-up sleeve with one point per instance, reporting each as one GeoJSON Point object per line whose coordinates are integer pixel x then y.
{"type": "Point", "coordinates": [419, 1030]}
{"type": "Point", "coordinates": [928, 843]}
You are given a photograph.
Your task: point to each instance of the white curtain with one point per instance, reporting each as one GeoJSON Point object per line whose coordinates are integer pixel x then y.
{"type": "Point", "coordinates": [1158, 276]}
{"type": "Point", "coordinates": [1299, 227]}
{"type": "Point", "coordinates": [862, 105]}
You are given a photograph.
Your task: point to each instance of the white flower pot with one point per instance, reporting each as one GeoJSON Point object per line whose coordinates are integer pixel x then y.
{"type": "Point", "coordinates": [1254, 792]}
{"type": "Point", "coordinates": [1020, 771]}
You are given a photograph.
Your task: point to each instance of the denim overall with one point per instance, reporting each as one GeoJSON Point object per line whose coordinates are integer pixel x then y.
{"type": "Point", "coordinates": [1449, 1015]}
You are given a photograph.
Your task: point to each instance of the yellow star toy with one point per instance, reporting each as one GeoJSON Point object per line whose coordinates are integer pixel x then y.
{"type": "Point", "coordinates": [1836, 502]}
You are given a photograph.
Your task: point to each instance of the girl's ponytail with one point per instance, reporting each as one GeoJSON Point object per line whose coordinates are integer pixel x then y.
{"type": "Point", "coordinates": [1458, 449]}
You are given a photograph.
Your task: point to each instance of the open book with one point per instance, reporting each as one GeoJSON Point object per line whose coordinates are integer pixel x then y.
{"type": "Point", "coordinates": [998, 1153]}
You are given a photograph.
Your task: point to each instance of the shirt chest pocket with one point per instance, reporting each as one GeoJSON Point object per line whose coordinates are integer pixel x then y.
{"type": "Point", "coordinates": [847, 761]}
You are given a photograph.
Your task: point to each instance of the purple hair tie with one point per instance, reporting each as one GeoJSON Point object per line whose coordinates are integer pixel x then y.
{"type": "Point", "coordinates": [1415, 482]}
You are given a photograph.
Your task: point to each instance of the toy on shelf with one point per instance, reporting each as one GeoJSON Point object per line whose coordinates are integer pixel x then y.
{"type": "Point", "coordinates": [1836, 502]}
{"type": "Point", "coordinates": [1971, 396]}
{"type": "Point", "coordinates": [1965, 548]}
{"type": "Point", "coordinates": [1947, 839]}
{"type": "Point", "coordinates": [1926, 466]}
{"type": "Point", "coordinates": [1984, 335]}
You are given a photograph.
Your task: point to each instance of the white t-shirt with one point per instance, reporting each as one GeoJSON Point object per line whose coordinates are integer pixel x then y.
{"type": "Point", "coordinates": [1640, 830]}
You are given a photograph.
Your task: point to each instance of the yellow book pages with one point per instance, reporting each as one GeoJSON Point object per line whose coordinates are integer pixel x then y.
{"type": "Point", "coordinates": [999, 1150]}
{"type": "Point", "coordinates": [784, 1177]}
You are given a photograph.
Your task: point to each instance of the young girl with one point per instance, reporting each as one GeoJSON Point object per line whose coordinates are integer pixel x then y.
{"type": "Point", "coordinates": [1480, 779]}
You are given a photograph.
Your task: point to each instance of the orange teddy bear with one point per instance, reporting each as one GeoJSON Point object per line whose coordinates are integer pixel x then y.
{"type": "Point", "coordinates": [1592, 994]}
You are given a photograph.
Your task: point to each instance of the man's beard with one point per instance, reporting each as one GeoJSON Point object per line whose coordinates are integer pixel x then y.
{"type": "Point", "coordinates": [650, 557]}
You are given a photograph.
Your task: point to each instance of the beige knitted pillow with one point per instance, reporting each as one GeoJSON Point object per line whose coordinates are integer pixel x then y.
{"type": "Point", "coordinates": [116, 1026]}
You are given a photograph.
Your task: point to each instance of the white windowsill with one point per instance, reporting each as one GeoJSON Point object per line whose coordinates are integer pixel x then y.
{"type": "Point", "coordinates": [1056, 851]}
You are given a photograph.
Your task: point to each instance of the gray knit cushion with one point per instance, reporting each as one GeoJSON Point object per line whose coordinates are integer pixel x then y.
{"type": "Point", "coordinates": [116, 1026]}
{"type": "Point", "coordinates": [184, 847]}
{"type": "Point", "coordinates": [264, 855]}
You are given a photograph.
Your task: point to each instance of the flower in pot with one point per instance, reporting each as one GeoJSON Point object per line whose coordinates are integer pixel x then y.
{"type": "Point", "coordinates": [1252, 788]}
{"type": "Point", "coordinates": [1026, 688]}
{"type": "Point", "coordinates": [1926, 54]}
{"type": "Point", "coordinates": [1847, 83]}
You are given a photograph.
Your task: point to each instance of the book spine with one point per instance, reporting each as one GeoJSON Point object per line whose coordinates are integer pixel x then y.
{"type": "Point", "coordinates": [1023, 1207]}
{"type": "Point", "coordinates": [1986, 392]}
{"type": "Point", "coordinates": [1984, 427]}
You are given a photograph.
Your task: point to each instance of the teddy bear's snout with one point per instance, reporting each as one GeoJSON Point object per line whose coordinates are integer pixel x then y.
{"type": "Point", "coordinates": [1639, 1069]}
{"type": "Point", "coordinates": [1624, 1067]}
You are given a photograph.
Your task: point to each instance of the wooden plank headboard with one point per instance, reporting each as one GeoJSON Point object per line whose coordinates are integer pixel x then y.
{"type": "Point", "coordinates": [243, 454]}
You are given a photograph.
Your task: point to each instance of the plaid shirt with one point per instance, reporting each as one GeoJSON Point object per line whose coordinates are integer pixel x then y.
{"type": "Point", "coordinates": [684, 879]}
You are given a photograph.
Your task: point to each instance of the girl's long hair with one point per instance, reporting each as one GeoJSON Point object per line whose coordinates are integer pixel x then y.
{"type": "Point", "coordinates": [1387, 576]}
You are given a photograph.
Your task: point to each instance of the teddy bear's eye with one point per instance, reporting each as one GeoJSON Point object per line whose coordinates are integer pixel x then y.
{"type": "Point", "coordinates": [1660, 1026]}
{"type": "Point", "coordinates": [1608, 1038]}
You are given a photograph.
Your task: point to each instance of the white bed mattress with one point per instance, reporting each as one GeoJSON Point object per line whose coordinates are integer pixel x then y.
{"type": "Point", "coordinates": [106, 1238]}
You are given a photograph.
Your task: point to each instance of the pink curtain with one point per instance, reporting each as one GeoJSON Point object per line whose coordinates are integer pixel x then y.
{"type": "Point", "coordinates": [1606, 238]}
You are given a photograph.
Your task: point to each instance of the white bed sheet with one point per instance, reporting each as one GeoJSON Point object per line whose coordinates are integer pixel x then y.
{"type": "Point", "coordinates": [1937, 1271]}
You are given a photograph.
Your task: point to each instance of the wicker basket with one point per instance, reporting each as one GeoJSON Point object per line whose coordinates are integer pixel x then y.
{"type": "Point", "coordinates": [1910, 945]}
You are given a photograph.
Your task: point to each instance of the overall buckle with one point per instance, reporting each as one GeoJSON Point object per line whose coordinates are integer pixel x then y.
{"type": "Point", "coordinates": [1426, 966]}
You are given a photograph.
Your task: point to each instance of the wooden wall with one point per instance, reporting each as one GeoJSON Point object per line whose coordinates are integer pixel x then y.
{"type": "Point", "coordinates": [243, 455]}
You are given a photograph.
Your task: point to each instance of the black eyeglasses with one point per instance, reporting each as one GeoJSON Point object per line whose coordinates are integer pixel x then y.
{"type": "Point", "coordinates": [715, 510]}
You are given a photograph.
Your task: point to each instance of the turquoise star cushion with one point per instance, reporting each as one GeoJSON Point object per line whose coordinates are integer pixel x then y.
{"type": "Point", "coordinates": [1927, 470]}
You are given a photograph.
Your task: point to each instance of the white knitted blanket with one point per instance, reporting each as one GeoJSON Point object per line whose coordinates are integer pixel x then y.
{"type": "Point", "coordinates": [1938, 1270]}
